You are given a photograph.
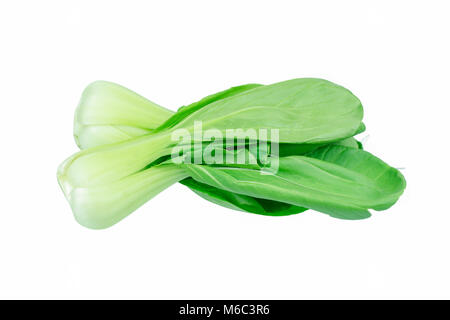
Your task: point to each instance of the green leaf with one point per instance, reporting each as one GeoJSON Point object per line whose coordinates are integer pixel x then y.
{"type": "Point", "coordinates": [241, 202]}
{"type": "Point", "coordinates": [340, 181]}
{"type": "Point", "coordinates": [303, 110]}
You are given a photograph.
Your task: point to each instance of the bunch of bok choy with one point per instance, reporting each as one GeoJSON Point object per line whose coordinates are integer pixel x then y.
{"type": "Point", "coordinates": [128, 146]}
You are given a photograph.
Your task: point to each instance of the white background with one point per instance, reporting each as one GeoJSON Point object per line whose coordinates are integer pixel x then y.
{"type": "Point", "coordinates": [394, 55]}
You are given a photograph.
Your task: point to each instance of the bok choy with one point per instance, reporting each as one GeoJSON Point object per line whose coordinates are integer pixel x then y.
{"type": "Point", "coordinates": [128, 143]}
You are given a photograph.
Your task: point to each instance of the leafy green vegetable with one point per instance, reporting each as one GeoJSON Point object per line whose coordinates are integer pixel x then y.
{"type": "Point", "coordinates": [122, 103]}
{"type": "Point", "coordinates": [341, 181]}
{"type": "Point", "coordinates": [321, 166]}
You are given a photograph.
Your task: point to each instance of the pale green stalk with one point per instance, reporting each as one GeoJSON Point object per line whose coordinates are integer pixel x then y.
{"type": "Point", "coordinates": [103, 205]}
{"type": "Point", "coordinates": [108, 113]}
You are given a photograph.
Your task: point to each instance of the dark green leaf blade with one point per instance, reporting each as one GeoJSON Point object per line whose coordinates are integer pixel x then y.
{"type": "Point", "coordinates": [340, 181]}
{"type": "Point", "coordinates": [241, 202]}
